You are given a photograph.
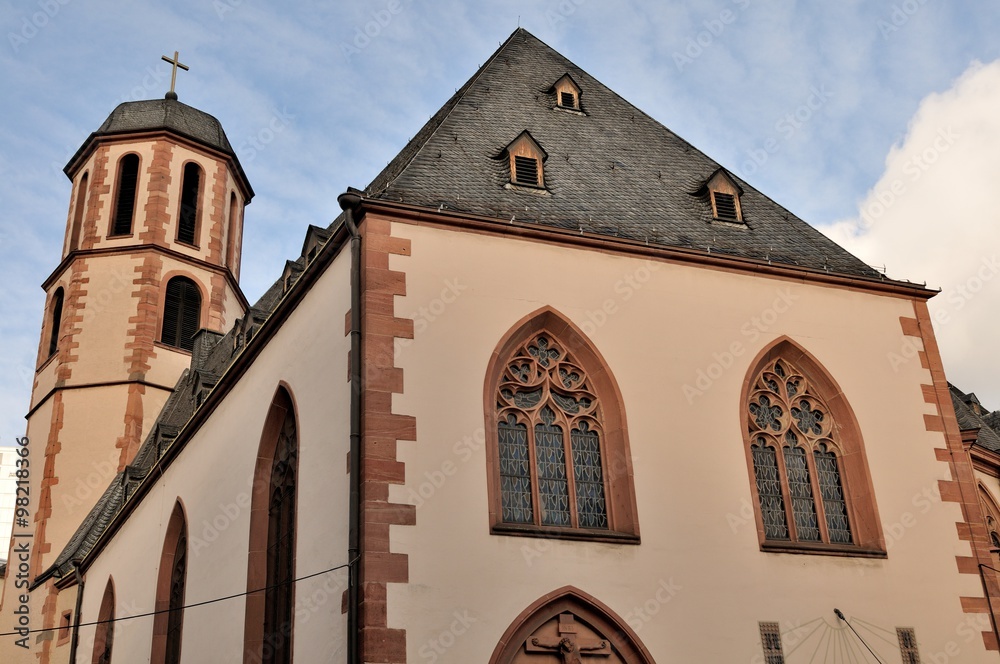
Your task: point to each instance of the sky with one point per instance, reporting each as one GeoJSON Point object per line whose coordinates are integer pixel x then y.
{"type": "Point", "coordinates": [874, 121]}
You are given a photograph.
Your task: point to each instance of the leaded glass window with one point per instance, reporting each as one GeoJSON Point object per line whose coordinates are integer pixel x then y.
{"type": "Point", "coordinates": [278, 598]}
{"type": "Point", "coordinates": [796, 459]}
{"type": "Point", "coordinates": [550, 436]}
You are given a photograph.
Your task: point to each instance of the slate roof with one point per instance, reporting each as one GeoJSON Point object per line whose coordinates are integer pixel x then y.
{"type": "Point", "coordinates": [171, 114]}
{"type": "Point", "coordinates": [612, 170]}
{"type": "Point", "coordinates": [972, 415]}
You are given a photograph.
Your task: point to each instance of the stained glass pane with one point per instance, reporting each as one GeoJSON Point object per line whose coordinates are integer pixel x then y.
{"type": "Point", "coordinates": [772, 507]}
{"type": "Point", "coordinates": [800, 491]}
{"type": "Point", "coordinates": [553, 488]}
{"type": "Point", "coordinates": [590, 506]}
{"type": "Point", "coordinates": [833, 496]}
{"type": "Point", "coordinates": [515, 474]}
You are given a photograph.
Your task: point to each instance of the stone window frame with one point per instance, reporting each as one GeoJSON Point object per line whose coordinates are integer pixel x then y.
{"type": "Point", "coordinates": [623, 522]}
{"type": "Point", "coordinates": [868, 540]}
{"type": "Point", "coordinates": [104, 634]}
{"type": "Point", "coordinates": [175, 534]}
{"type": "Point", "coordinates": [281, 408]}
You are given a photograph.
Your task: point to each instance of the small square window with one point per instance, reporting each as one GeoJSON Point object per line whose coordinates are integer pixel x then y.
{"type": "Point", "coordinates": [65, 625]}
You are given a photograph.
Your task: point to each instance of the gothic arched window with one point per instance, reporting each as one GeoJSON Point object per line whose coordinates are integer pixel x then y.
{"type": "Point", "coordinates": [128, 183]}
{"type": "Point", "coordinates": [181, 313]}
{"type": "Point", "coordinates": [269, 615]}
{"type": "Point", "coordinates": [187, 221]}
{"type": "Point", "coordinates": [105, 635]}
{"type": "Point", "coordinates": [809, 474]}
{"type": "Point", "coordinates": [558, 446]}
{"type": "Point", "coordinates": [171, 580]}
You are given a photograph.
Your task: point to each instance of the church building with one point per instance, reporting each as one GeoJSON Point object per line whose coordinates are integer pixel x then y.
{"type": "Point", "coordinates": [555, 387]}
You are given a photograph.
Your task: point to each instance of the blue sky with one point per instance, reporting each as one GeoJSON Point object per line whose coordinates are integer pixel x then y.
{"type": "Point", "coordinates": [810, 102]}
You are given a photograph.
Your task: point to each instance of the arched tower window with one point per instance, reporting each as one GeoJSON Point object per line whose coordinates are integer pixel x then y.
{"type": "Point", "coordinates": [171, 580]}
{"type": "Point", "coordinates": [105, 635]}
{"type": "Point", "coordinates": [269, 618]}
{"type": "Point", "coordinates": [187, 222]}
{"type": "Point", "coordinates": [181, 313]}
{"type": "Point", "coordinates": [128, 182]}
{"type": "Point", "coordinates": [55, 321]}
{"type": "Point", "coordinates": [558, 447]}
{"type": "Point", "coordinates": [809, 473]}
{"type": "Point", "coordinates": [78, 212]}
{"type": "Point", "coordinates": [232, 250]}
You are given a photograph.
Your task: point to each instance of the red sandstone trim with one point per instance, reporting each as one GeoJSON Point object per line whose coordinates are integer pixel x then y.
{"type": "Point", "coordinates": [381, 429]}
{"type": "Point", "coordinates": [962, 488]}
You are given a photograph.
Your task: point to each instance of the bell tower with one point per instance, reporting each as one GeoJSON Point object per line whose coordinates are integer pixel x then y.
{"type": "Point", "coordinates": [151, 255]}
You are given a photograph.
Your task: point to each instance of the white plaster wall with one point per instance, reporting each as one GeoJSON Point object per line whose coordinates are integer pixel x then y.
{"type": "Point", "coordinates": [212, 477]}
{"type": "Point", "coordinates": [697, 586]}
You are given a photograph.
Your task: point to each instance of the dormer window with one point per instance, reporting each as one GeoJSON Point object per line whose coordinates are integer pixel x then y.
{"type": "Point", "coordinates": [526, 159]}
{"type": "Point", "coordinates": [724, 194]}
{"type": "Point", "coordinates": [567, 93]}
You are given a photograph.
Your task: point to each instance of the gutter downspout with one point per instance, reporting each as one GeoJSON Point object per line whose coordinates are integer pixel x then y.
{"type": "Point", "coordinates": [74, 642]}
{"type": "Point", "coordinates": [349, 202]}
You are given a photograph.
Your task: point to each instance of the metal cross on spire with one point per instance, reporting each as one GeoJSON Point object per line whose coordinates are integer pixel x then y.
{"type": "Point", "coordinates": [175, 62]}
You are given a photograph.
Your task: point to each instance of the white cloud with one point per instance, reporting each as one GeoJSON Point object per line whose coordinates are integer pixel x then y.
{"type": "Point", "coordinates": [934, 215]}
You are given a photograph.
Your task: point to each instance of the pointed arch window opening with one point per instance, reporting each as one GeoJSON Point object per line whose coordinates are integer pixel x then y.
{"type": "Point", "coordinates": [279, 597]}
{"type": "Point", "coordinates": [550, 440]}
{"type": "Point", "coordinates": [797, 460]}
{"type": "Point", "coordinates": [104, 635]}
{"type": "Point", "coordinates": [175, 618]}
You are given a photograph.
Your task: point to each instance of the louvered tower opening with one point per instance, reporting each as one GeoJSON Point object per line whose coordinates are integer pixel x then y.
{"type": "Point", "coordinates": [188, 221]}
{"type": "Point", "coordinates": [57, 307]}
{"type": "Point", "coordinates": [725, 206]}
{"type": "Point", "coordinates": [526, 171]}
{"type": "Point", "coordinates": [181, 313]}
{"type": "Point", "coordinates": [128, 180]}
{"type": "Point", "coordinates": [567, 99]}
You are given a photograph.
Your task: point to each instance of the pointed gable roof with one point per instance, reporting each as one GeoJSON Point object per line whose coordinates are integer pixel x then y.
{"type": "Point", "coordinates": [614, 171]}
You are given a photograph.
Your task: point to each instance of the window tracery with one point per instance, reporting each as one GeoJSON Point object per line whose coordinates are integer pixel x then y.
{"type": "Point", "coordinates": [550, 435]}
{"type": "Point", "coordinates": [796, 459]}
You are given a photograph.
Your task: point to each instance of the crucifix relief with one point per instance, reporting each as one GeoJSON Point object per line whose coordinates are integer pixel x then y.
{"type": "Point", "coordinates": [567, 644]}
